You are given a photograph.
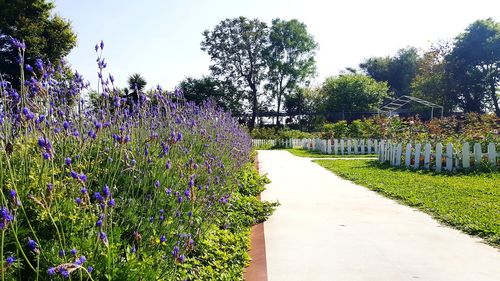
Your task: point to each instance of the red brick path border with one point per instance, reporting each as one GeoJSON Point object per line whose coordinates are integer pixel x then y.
{"type": "Point", "coordinates": [257, 270]}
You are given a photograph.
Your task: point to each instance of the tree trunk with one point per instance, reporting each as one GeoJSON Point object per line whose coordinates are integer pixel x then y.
{"type": "Point", "coordinates": [278, 111]}
{"type": "Point", "coordinates": [494, 97]}
{"type": "Point", "coordinates": [254, 107]}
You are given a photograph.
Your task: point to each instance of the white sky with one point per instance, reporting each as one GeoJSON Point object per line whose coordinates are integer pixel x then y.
{"type": "Point", "coordinates": [160, 39]}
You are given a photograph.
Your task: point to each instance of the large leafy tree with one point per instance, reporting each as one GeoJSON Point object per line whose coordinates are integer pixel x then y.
{"type": "Point", "coordinates": [398, 71]}
{"type": "Point", "coordinates": [474, 64]}
{"type": "Point", "coordinates": [432, 81]}
{"type": "Point", "coordinates": [290, 58]}
{"type": "Point", "coordinates": [47, 36]}
{"type": "Point", "coordinates": [352, 93]}
{"type": "Point", "coordinates": [235, 47]}
{"type": "Point", "coordinates": [224, 94]}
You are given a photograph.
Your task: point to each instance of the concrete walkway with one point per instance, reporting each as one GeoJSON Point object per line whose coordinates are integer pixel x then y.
{"type": "Point", "coordinates": [331, 229]}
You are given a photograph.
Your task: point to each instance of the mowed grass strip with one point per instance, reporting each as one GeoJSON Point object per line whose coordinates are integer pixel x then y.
{"type": "Point", "coordinates": [467, 201]}
{"type": "Point", "coordinates": [318, 154]}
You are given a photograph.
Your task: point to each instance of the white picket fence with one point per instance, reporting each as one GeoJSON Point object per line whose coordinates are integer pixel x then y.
{"type": "Point", "coordinates": [438, 158]}
{"type": "Point", "coordinates": [336, 146]}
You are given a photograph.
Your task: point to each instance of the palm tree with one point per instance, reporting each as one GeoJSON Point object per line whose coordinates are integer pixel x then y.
{"type": "Point", "coordinates": [136, 84]}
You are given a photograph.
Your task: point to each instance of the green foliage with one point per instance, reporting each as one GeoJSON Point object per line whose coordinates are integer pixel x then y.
{"type": "Point", "coordinates": [474, 64]}
{"type": "Point", "coordinates": [235, 47]}
{"type": "Point", "coordinates": [398, 71]}
{"type": "Point", "coordinates": [289, 57]}
{"type": "Point", "coordinates": [224, 94]}
{"type": "Point", "coordinates": [223, 253]}
{"type": "Point", "coordinates": [353, 93]}
{"type": "Point", "coordinates": [482, 128]}
{"type": "Point", "coordinates": [467, 201]}
{"type": "Point", "coordinates": [48, 37]}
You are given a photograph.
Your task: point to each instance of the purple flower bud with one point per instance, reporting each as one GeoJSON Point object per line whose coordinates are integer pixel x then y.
{"type": "Point", "coordinates": [73, 252]}
{"type": "Point", "coordinates": [101, 45]}
{"type": "Point", "coordinates": [67, 160]}
{"type": "Point", "coordinates": [90, 269]}
{"type": "Point", "coordinates": [12, 193]}
{"type": "Point", "coordinates": [32, 244]}
{"type": "Point", "coordinates": [98, 197]}
{"type": "Point", "coordinates": [106, 191]}
{"type": "Point", "coordinates": [65, 124]}
{"type": "Point", "coordinates": [83, 190]}
{"type": "Point", "coordinates": [111, 202]}
{"type": "Point", "coordinates": [78, 200]}
{"type": "Point", "coordinates": [10, 260]}
{"type": "Point", "coordinates": [39, 64]}
{"type": "Point", "coordinates": [62, 253]}
{"type": "Point", "coordinates": [82, 177]}
{"type": "Point", "coordinates": [51, 271]}
{"type": "Point", "coordinates": [46, 155]}
{"type": "Point", "coordinates": [29, 68]}
{"type": "Point", "coordinates": [157, 183]}
{"type": "Point", "coordinates": [163, 238]}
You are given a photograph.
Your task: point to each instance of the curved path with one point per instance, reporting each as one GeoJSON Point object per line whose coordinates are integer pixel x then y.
{"type": "Point", "coordinates": [328, 228]}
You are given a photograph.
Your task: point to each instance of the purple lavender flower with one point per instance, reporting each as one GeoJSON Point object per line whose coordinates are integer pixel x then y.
{"type": "Point", "coordinates": [78, 200]}
{"type": "Point", "coordinates": [74, 174]}
{"type": "Point", "coordinates": [98, 196]}
{"type": "Point", "coordinates": [83, 190]}
{"type": "Point", "coordinates": [39, 64]}
{"type": "Point", "coordinates": [157, 183]}
{"type": "Point", "coordinates": [32, 244]}
{"type": "Point", "coordinates": [163, 238]}
{"type": "Point", "coordinates": [106, 191]}
{"type": "Point", "coordinates": [111, 202]}
{"type": "Point", "coordinates": [46, 155]}
{"type": "Point", "coordinates": [90, 269]}
{"type": "Point", "coordinates": [51, 271]}
{"type": "Point", "coordinates": [64, 273]}
{"type": "Point", "coordinates": [62, 253]}
{"type": "Point", "coordinates": [98, 223]}
{"type": "Point", "coordinates": [29, 68]}
{"type": "Point", "coordinates": [175, 251]}
{"type": "Point", "coordinates": [12, 193]}
{"type": "Point", "coordinates": [82, 177]}
{"type": "Point", "coordinates": [81, 260]}
{"type": "Point", "coordinates": [67, 161]}
{"type": "Point", "coordinates": [73, 252]}
{"type": "Point", "coordinates": [10, 260]}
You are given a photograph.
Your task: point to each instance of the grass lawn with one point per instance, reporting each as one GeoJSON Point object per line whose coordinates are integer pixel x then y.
{"type": "Point", "coordinates": [468, 201]}
{"type": "Point", "coordinates": [317, 154]}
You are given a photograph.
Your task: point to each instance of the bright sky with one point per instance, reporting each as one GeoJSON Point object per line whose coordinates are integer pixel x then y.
{"type": "Point", "coordinates": [160, 39]}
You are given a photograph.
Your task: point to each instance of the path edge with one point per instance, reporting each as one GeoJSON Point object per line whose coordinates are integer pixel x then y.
{"type": "Point", "coordinates": [257, 270]}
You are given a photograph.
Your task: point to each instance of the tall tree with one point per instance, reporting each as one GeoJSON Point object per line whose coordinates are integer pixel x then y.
{"type": "Point", "coordinates": [290, 58]}
{"type": "Point", "coordinates": [398, 71]}
{"type": "Point", "coordinates": [46, 36]}
{"type": "Point", "coordinates": [432, 81]}
{"type": "Point", "coordinates": [235, 47]}
{"type": "Point", "coordinates": [224, 94]}
{"type": "Point", "coordinates": [474, 63]}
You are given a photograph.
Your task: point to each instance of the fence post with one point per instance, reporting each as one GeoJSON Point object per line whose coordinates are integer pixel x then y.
{"type": "Point", "coordinates": [355, 146]}
{"type": "Point", "coordinates": [418, 147]}
{"type": "Point", "coordinates": [449, 157]}
{"type": "Point", "coordinates": [427, 156]}
{"type": "Point", "coordinates": [492, 154]}
{"type": "Point", "coordinates": [478, 154]}
{"type": "Point", "coordinates": [376, 146]}
{"type": "Point", "coordinates": [466, 155]}
{"type": "Point", "coordinates": [439, 157]}
{"type": "Point", "coordinates": [329, 146]}
{"type": "Point", "coordinates": [336, 146]}
{"type": "Point", "coordinates": [342, 146]}
{"type": "Point", "coordinates": [349, 145]}
{"type": "Point", "coordinates": [399, 152]}
{"type": "Point", "coordinates": [381, 153]}
{"type": "Point", "coordinates": [408, 155]}
{"type": "Point", "coordinates": [369, 143]}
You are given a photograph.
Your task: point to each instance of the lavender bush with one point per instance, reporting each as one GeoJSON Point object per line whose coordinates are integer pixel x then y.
{"type": "Point", "coordinates": [121, 191]}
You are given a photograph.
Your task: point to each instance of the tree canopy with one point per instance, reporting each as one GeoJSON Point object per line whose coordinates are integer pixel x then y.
{"type": "Point", "coordinates": [289, 57]}
{"type": "Point", "coordinates": [352, 93]}
{"type": "Point", "coordinates": [235, 47]}
{"type": "Point", "coordinates": [46, 36]}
